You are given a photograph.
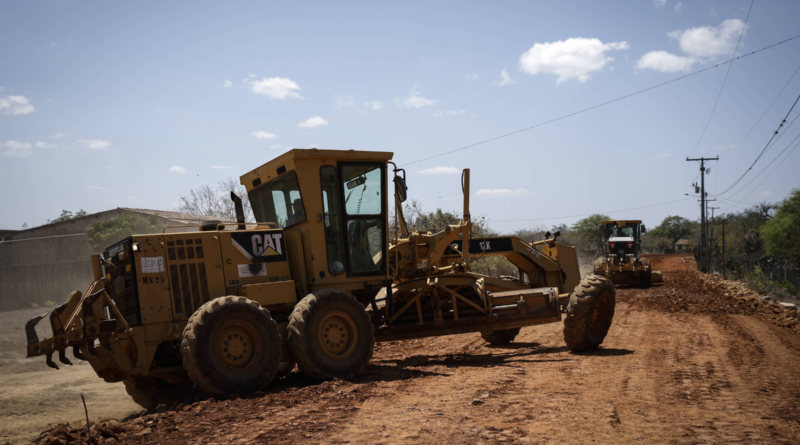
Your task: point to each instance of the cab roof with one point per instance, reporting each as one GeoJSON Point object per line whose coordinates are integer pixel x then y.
{"type": "Point", "coordinates": [622, 222]}
{"type": "Point", "coordinates": [300, 153]}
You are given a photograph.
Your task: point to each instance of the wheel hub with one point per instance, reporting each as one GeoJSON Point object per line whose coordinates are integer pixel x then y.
{"type": "Point", "coordinates": [237, 346]}
{"type": "Point", "coordinates": [337, 335]}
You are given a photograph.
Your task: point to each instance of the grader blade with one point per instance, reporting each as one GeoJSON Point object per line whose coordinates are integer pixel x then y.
{"type": "Point", "coordinates": [33, 339]}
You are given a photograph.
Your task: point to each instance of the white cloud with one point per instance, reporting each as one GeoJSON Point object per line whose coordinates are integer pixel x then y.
{"type": "Point", "coordinates": [264, 135]}
{"type": "Point", "coordinates": [471, 77]}
{"type": "Point", "coordinates": [504, 79]}
{"type": "Point", "coordinates": [665, 62]}
{"type": "Point", "coordinates": [15, 105]}
{"type": "Point", "coordinates": [575, 57]}
{"type": "Point", "coordinates": [679, 6]}
{"type": "Point", "coordinates": [699, 44]}
{"type": "Point", "coordinates": [41, 144]}
{"type": "Point", "coordinates": [15, 149]}
{"type": "Point", "coordinates": [449, 113]}
{"type": "Point", "coordinates": [663, 155]}
{"type": "Point", "coordinates": [713, 12]}
{"type": "Point", "coordinates": [313, 122]}
{"type": "Point", "coordinates": [177, 169]}
{"type": "Point", "coordinates": [226, 84]}
{"type": "Point", "coordinates": [767, 193]}
{"type": "Point", "coordinates": [710, 41]}
{"type": "Point", "coordinates": [375, 105]}
{"type": "Point", "coordinates": [275, 87]}
{"type": "Point", "coordinates": [415, 100]}
{"type": "Point", "coordinates": [659, 3]}
{"type": "Point", "coordinates": [221, 167]}
{"type": "Point", "coordinates": [344, 101]}
{"type": "Point", "coordinates": [58, 135]}
{"type": "Point", "coordinates": [281, 147]}
{"type": "Point", "coordinates": [501, 193]}
{"type": "Point", "coordinates": [439, 170]}
{"type": "Point", "coordinates": [95, 144]}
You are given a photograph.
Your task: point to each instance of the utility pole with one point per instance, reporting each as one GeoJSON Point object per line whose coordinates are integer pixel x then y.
{"type": "Point", "coordinates": [703, 240]}
{"type": "Point", "coordinates": [710, 259]}
{"type": "Point", "coordinates": [724, 258]}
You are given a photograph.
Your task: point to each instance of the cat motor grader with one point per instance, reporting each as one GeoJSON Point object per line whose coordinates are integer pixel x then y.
{"type": "Point", "coordinates": [315, 282]}
{"type": "Point", "coordinates": [622, 262]}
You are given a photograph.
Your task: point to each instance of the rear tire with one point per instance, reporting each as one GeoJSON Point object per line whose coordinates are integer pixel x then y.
{"type": "Point", "coordinates": [231, 346]}
{"type": "Point", "coordinates": [330, 335]}
{"type": "Point", "coordinates": [149, 392]}
{"type": "Point", "coordinates": [589, 313]}
{"type": "Point", "coordinates": [500, 337]}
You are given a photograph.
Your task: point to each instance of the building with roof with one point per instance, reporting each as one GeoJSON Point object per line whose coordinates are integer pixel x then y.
{"type": "Point", "coordinates": [682, 246]}
{"type": "Point", "coordinates": [47, 262]}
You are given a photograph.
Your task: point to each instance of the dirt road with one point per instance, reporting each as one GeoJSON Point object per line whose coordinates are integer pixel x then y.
{"type": "Point", "coordinates": [660, 377]}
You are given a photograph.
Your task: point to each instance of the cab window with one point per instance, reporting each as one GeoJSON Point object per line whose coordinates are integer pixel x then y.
{"type": "Point", "coordinates": [362, 188]}
{"type": "Point", "coordinates": [331, 219]}
{"type": "Point", "coordinates": [279, 201]}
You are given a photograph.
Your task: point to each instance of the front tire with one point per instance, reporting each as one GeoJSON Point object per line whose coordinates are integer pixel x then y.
{"type": "Point", "coordinates": [589, 313]}
{"type": "Point", "coordinates": [330, 335]}
{"type": "Point", "coordinates": [231, 346]}
{"type": "Point", "coordinates": [500, 337]}
{"type": "Point", "coordinates": [149, 392]}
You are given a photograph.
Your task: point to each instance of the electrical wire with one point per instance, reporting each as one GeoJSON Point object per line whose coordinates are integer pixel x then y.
{"type": "Point", "coordinates": [601, 104]}
{"type": "Point", "coordinates": [587, 214]}
{"type": "Point", "coordinates": [765, 113]}
{"type": "Point", "coordinates": [724, 80]}
{"type": "Point", "coordinates": [773, 171]}
{"type": "Point", "coordinates": [763, 150]}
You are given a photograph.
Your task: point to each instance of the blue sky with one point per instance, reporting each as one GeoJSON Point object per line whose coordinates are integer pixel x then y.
{"type": "Point", "coordinates": [132, 105]}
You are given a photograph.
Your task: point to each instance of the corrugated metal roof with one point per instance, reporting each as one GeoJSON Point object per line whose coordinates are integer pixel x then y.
{"type": "Point", "coordinates": [184, 218]}
{"type": "Point", "coordinates": [683, 242]}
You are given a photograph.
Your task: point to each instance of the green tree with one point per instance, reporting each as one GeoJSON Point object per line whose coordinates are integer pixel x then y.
{"type": "Point", "coordinates": [102, 234]}
{"type": "Point", "coordinates": [673, 228]}
{"type": "Point", "coordinates": [66, 215]}
{"type": "Point", "coordinates": [209, 201]}
{"type": "Point", "coordinates": [585, 234]}
{"type": "Point", "coordinates": [782, 232]}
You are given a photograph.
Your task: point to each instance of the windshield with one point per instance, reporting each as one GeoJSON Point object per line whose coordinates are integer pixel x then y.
{"type": "Point", "coordinates": [279, 201]}
{"type": "Point", "coordinates": [620, 232]}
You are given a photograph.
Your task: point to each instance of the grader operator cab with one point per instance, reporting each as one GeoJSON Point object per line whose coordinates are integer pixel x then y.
{"type": "Point", "coordinates": [315, 282]}
{"type": "Point", "coordinates": [622, 264]}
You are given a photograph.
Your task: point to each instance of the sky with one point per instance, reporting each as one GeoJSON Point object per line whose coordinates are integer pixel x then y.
{"type": "Point", "coordinates": [134, 104]}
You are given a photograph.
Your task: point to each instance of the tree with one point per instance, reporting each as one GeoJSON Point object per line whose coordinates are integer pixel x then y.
{"type": "Point", "coordinates": [66, 215]}
{"type": "Point", "coordinates": [782, 232]}
{"type": "Point", "coordinates": [217, 201]}
{"type": "Point", "coordinates": [585, 234]}
{"type": "Point", "coordinates": [674, 228]}
{"type": "Point", "coordinates": [102, 234]}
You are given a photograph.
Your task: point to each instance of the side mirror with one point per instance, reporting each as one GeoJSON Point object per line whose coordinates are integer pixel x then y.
{"type": "Point", "coordinates": [644, 229]}
{"type": "Point", "coordinates": [400, 188]}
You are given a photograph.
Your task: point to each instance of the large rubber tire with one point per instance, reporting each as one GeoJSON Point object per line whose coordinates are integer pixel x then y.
{"type": "Point", "coordinates": [252, 336]}
{"type": "Point", "coordinates": [149, 392]}
{"type": "Point", "coordinates": [500, 337]}
{"type": "Point", "coordinates": [285, 368]}
{"type": "Point", "coordinates": [349, 348]}
{"type": "Point", "coordinates": [589, 313]}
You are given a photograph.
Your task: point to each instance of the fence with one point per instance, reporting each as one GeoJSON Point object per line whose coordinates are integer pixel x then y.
{"type": "Point", "coordinates": [775, 271]}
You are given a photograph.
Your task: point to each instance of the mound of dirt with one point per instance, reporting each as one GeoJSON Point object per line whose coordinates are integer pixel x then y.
{"type": "Point", "coordinates": [687, 289]}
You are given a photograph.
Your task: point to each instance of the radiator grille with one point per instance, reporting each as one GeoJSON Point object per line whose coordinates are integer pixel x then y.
{"type": "Point", "coordinates": [187, 274]}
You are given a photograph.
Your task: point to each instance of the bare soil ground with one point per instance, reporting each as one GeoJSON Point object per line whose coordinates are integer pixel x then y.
{"type": "Point", "coordinates": [33, 396]}
{"type": "Point", "coordinates": [665, 374]}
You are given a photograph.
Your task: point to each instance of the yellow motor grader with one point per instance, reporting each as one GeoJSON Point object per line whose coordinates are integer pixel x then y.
{"type": "Point", "coordinates": [315, 282]}
{"type": "Point", "coordinates": [622, 264]}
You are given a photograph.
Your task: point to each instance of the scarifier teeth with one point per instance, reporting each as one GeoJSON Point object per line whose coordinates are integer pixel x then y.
{"type": "Point", "coordinates": [63, 358]}
{"type": "Point", "coordinates": [90, 347]}
{"type": "Point", "coordinates": [77, 353]}
{"type": "Point", "coordinates": [33, 339]}
{"type": "Point", "coordinates": [50, 361]}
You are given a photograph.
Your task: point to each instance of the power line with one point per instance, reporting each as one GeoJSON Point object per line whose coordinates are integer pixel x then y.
{"type": "Point", "coordinates": [773, 171]}
{"type": "Point", "coordinates": [602, 104]}
{"type": "Point", "coordinates": [587, 214]}
{"type": "Point", "coordinates": [724, 80]}
{"type": "Point", "coordinates": [765, 112]}
{"type": "Point", "coordinates": [763, 150]}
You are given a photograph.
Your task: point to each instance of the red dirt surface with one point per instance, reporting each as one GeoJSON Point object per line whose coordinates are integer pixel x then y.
{"type": "Point", "coordinates": [680, 366]}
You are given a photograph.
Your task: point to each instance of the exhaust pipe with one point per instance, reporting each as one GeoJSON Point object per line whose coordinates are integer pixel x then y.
{"type": "Point", "coordinates": [237, 203]}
